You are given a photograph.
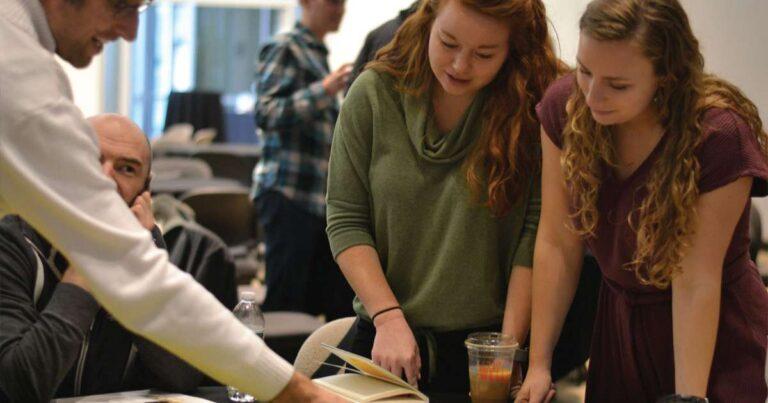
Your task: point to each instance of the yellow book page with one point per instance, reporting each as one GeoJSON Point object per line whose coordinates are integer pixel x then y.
{"type": "Point", "coordinates": [368, 367]}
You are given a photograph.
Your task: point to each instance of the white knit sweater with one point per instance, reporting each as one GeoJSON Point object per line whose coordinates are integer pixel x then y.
{"type": "Point", "coordinates": [50, 175]}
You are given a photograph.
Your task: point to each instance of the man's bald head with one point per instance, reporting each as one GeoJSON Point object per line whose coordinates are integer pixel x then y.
{"type": "Point", "coordinates": [125, 153]}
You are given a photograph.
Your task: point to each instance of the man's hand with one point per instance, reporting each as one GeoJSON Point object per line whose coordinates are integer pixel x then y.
{"type": "Point", "coordinates": [301, 389]}
{"type": "Point", "coordinates": [71, 276]}
{"type": "Point", "coordinates": [337, 80]}
{"type": "Point", "coordinates": [142, 209]}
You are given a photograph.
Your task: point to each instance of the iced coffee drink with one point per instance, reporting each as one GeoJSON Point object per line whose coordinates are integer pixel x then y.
{"type": "Point", "coordinates": [490, 366]}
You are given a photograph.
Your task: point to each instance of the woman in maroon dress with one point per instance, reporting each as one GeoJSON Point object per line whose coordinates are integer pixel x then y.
{"type": "Point", "coordinates": [649, 162]}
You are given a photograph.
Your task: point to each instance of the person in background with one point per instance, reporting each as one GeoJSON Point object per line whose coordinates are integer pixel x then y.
{"type": "Point", "coordinates": [433, 197]}
{"type": "Point", "coordinates": [50, 176]}
{"type": "Point", "coordinates": [377, 39]}
{"type": "Point", "coordinates": [55, 340]}
{"type": "Point", "coordinates": [650, 162]}
{"type": "Point", "coordinates": [296, 110]}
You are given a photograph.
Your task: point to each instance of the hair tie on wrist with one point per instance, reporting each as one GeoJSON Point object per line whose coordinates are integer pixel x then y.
{"type": "Point", "coordinates": [392, 308]}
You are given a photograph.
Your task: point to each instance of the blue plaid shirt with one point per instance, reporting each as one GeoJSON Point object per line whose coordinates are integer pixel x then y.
{"type": "Point", "coordinates": [295, 118]}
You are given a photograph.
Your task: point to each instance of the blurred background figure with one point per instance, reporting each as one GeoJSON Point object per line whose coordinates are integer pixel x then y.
{"type": "Point", "coordinates": [377, 38]}
{"type": "Point", "coordinates": [296, 111]}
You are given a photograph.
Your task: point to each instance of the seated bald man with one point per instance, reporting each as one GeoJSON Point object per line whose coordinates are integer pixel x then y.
{"type": "Point", "coordinates": [55, 340]}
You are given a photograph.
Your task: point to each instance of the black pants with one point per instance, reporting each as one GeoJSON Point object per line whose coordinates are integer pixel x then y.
{"type": "Point", "coordinates": [451, 372]}
{"type": "Point", "coordinates": [572, 349]}
{"type": "Point", "coordinates": [452, 376]}
{"type": "Point", "coordinates": [301, 273]}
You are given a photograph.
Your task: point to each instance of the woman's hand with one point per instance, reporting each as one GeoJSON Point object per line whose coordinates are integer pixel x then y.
{"type": "Point", "coordinates": [537, 388]}
{"type": "Point", "coordinates": [395, 348]}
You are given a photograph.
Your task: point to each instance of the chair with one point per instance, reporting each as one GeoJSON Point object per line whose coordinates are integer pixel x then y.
{"type": "Point", "coordinates": [201, 109]}
{"type": "Point", "coordinates": [227, 211]}
{"type": "Point", "coordinates": [205, 257]}
{"type": "Point", "coordinates": [285, 332]}
{"type": "Point", "coordinates": [196, 251]}
{"type": "Point", "coordinates": [204, 136]}
{"type": "Point", "coordinates": [312, 354]}
{"type": "Point", "coordinates": [228, 165]}
{"type": "Point", "coordinates": [179, 133]}
{"type": "Point", "coordinates": [166, 168]}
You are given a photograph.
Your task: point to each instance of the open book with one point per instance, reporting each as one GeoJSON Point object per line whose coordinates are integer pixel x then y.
{"type": "Point", "coordinates": [371, 384]}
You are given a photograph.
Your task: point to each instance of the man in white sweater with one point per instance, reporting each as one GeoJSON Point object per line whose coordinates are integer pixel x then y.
{"type": "Point", "coordinates": [50, 176]}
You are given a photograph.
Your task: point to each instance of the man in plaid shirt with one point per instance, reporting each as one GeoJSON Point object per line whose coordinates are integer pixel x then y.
{"type": "Point", "coordinates": [296, 111]}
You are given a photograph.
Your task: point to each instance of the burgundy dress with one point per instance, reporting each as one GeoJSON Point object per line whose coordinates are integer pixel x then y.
{"type": "Point", "coordinates": [632, 356]}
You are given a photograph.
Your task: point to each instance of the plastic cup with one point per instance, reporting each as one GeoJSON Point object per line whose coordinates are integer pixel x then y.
{"type": "Point", "coordinates": [490, 366]}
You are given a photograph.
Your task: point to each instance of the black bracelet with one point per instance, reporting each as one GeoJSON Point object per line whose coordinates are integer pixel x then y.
{"type": "Point", "coordinates": [392, 308]}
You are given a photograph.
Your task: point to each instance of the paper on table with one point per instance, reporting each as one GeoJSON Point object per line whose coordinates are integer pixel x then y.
{"type": "Point", "coordinates": [136, 396]}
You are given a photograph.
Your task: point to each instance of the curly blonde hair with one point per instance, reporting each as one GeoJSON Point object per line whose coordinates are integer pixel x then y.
{"type": "Point", "coordinates": [665, 219]}
{"type": "Point", "coordinates": [500, 167]}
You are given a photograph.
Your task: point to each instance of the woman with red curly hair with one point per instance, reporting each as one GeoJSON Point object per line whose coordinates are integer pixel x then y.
{"type": "Point", "coordinates": [650, 162]}
{"type": "Point", "coordinates": [433, 197]}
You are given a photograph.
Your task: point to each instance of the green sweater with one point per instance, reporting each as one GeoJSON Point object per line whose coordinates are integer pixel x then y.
{"type": "Point", "coordinates": [399, 186]}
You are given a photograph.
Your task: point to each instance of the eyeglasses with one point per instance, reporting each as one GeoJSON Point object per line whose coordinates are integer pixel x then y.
{"type": "Point", "coordinates": [123, 8]}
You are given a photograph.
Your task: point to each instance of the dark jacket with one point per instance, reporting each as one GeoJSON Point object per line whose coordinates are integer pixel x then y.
{"type": "Point", "coordinates": [377, 38]}
{"type": "Point", "coordinates": [56, 341]}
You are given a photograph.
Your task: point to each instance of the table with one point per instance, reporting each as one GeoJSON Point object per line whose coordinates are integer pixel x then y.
{"type": "Point", "coordinates": [234, 161]}
{"type": "Point", "coordinates": [218, 394]}
{"type": "Point", "coordinates": [189, 150]}
{"type": "Point", "coordinates": [178, 186]}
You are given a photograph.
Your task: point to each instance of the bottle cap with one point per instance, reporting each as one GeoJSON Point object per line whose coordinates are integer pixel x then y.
{"type": "Point", "coordinates": [249, 296]}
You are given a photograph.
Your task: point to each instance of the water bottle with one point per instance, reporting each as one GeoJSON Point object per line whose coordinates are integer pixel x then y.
{"type": "Point", "coordinates": [248, 312]}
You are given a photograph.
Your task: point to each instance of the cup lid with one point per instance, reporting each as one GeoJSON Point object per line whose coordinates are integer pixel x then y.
{"type": "Point", "coordinates": [494, 341]}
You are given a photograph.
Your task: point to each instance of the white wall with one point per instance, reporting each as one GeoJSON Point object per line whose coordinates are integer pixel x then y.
{"type": "Point", "coordinates": [734, 40]}
{"type": "Point", "coordinates": [361, 17]}
{"type": "Point", "coordinates": [87, 85]}
{"type": "Point", "coordinates": [564, 17]}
